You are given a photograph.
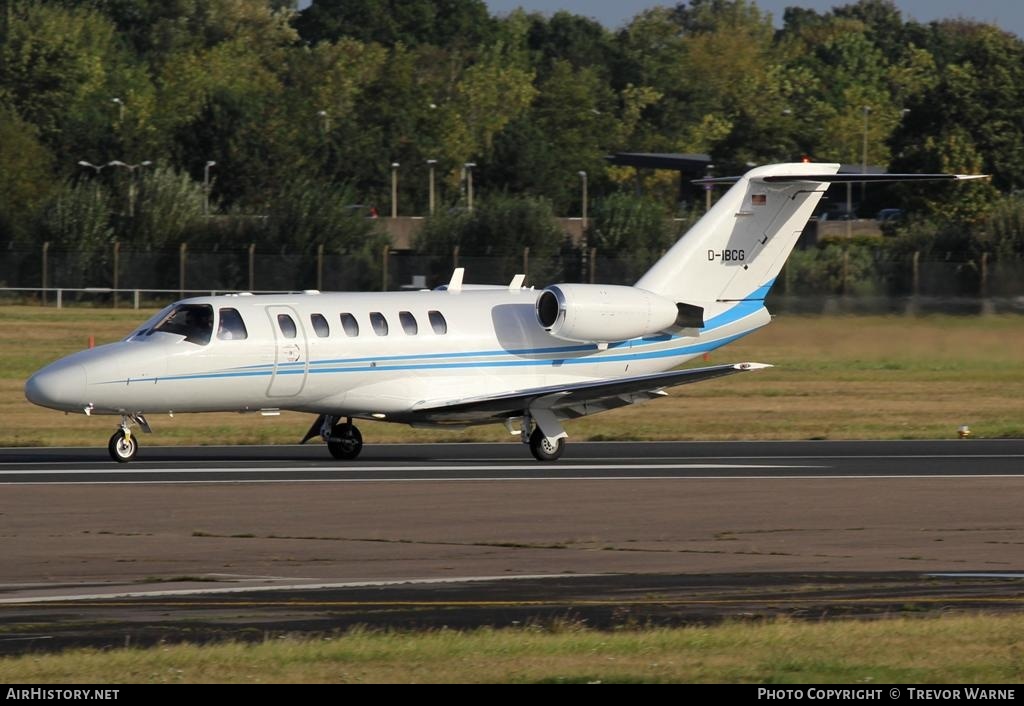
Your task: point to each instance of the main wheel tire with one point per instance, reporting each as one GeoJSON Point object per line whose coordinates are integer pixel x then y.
{"type": "Point", "coordinates": [544, 450]}
{"type": "Point", "coordinates": [123, 448]}
{"type": "Point", "coordinates": [345, 442]}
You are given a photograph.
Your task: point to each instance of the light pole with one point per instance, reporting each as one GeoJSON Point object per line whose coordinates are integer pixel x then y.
{"type": "Point", "coordinates": [864, 148]}
{"type": "Point", "coordinates": [708, 173]}
{"type": "Point", "coordinates": [583, 210]}
{"type": "Point", "coordinates": [430, 164]}
{"type": "Point", "coordinates": [394, 189]}
{"type": "Point", "coordinates": [206, 186]}
{"type": "Point", "coordinates": [98, 168]}
{"type": "Point", "coordinates": [131, 184]}
{"type": "Point", "coordinates": [325, 121]}
{"type": "Point", "coordinates": [120, 109]}
{"type": "Point", "coordinates": [864, 154]}
{"type": "Point", "coordinates": [468, 166]}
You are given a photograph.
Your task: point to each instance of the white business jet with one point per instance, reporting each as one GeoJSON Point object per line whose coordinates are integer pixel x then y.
{"type": "Point", "coordinates": [461, 354]}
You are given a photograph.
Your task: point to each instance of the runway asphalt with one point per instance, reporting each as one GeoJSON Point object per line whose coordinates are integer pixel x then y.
{"type": "Point", "coordinates": [240, 542]}
{"type": "Point", "coordinates": [473, 461]}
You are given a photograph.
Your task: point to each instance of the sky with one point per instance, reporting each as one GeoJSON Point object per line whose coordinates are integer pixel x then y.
{"type": "Point", "coordinates": [1008, 14]}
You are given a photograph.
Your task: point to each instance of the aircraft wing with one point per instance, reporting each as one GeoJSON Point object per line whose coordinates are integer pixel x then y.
{"type": "Point", "coordinates": [572, 400]}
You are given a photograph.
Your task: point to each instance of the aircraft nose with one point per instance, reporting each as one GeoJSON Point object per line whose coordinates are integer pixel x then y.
{"type": "Point", "coordinates": [58, 387]}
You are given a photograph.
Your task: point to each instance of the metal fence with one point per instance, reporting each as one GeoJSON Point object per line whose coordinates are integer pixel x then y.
{"type": "Point", "coordinates": [808, 282]}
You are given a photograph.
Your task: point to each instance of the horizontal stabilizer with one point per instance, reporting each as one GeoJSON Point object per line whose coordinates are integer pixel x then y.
{"type": "Point", "coordinates": [844, 178]}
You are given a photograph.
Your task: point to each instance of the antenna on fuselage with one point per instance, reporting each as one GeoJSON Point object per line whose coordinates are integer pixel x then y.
{"type": "Point", "coordinates": [455, 283]}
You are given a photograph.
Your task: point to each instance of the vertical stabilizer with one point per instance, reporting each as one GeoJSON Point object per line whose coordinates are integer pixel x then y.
{"type": "Point", "coordinates": [735, 252]}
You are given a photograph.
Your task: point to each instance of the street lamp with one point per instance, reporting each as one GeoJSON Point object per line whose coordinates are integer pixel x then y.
{"type": "Point", "coordinates": [431, 163]}
{"type": "Point", "coordinates": [864, 154]}
{"type": "Point", "coordinates": [468, 166]}
{"type": "Point", "coordinates": [120, 109]}
{"type": "Point", "coordinates": [583, 212]}
{"type": "Point", "coordinates": [864, 150]}
{"type": "Point", "coordinates": [394, 189]}
{"type": "Point", "coordinates": [131, 184]}
{"type": "Point", "coordinates": [98, 167]}
{"type": "Point", "coordinates": [206, 186]}
{"type": "Point", "coordinates": [325, 121]}
{"type": "Point", "coordinates": [708, 173]}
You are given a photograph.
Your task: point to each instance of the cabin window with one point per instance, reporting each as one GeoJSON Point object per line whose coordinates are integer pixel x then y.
{"type": "Point", "coordinates": [287, 325]}
{"type": "Point", "coordinates": [409, 324]}
{"type": "Point", "coordinates": [193, 321]}
{"type": "Point", "coordinates": [437, 322]}
{"type": "Point", "coordinates": [379, 323]}
{"type": "Point", "coordinates": [320, 325]}
{"type": "Point", "coordinates": [231, 327]}
{"type": "Point", "coordinates": [349, 323]}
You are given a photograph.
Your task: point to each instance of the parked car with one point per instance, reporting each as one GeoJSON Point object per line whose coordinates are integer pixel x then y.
{"type": "Point", "coordinates": [887, 215]}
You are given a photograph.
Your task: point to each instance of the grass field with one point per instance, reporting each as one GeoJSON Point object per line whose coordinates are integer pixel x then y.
{"type": "Point", "coordinates": [835, 378]}
{"type": "Point", "coordinates": [964, 650]}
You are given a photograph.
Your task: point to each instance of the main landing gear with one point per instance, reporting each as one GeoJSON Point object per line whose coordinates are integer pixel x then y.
{"type": "Point", "coordinates": [545, 449]}
{"type": "Point", "coordinates": [342, 438]}
{"type": "Point", "coordinates": [543, 432]}
{"type": "Point", "coordinates": [344, 441]}
{"type": "Point", "coordinates": [124, 444]}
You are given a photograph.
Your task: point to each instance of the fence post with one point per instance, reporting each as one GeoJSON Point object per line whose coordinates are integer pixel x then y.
{"type": "Point", "coordinates": [117, 262]}
{"type": "Point", "coordinates": [384, 268]}
{"type": "Point", "coordinates": [182, 254]}
{"type": "Point", "coordinates": [46, 258]}
{"type": "Point", "coordinates": [846, 270]}
{"type": "Point", "coordinates": [915, 283]}
{"type": "Point", "coordinates": [986, 302]}
{"type": "Point", "coordinates": [593, 264]}
{"type": "Point", "coordinates": [526, 260]}
{"type": "Point", "coordinates": [320, 266]}
{"type": "Point", "coordinates": [252, 267]}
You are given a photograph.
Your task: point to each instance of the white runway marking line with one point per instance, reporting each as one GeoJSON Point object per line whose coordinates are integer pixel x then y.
{"type": "Point", "coordinates": [258, 481]}
{"type": "Point", "coordinates": [581, 462]}
{"type": "Point", "coordinates": [290, 587]}
{"type": "Point", "coordinates": [406, 469]}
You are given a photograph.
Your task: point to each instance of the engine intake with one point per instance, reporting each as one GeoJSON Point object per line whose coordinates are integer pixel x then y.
{"type": "Point", "coordinates": [601, 313]}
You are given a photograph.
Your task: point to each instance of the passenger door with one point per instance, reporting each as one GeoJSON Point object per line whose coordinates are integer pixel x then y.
{"type": "Point", "coordinates": [291, 360]}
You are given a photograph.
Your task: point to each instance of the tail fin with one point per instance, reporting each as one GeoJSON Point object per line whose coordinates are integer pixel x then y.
{"type": "Point", "coordinates": [735, 252]}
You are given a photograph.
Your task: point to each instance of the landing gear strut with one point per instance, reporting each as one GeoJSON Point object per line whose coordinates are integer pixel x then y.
{"type": "Point", "coordinates": [345, 442]}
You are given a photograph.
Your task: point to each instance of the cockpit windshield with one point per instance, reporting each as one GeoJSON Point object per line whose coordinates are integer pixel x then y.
{"type": "Point", "coordinates": [193, 321]}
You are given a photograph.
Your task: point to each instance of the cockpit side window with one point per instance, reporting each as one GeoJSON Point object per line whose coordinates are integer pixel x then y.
{"type": "Point", "coordinates": [193, 321]}
{"type": "Point", "coordinates": [231, 327]}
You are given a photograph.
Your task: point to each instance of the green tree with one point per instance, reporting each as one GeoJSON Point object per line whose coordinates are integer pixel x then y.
{"type": "Point", "coordinates": [25, 175]}
{"type": "Point", "coordinates": [446, 23]}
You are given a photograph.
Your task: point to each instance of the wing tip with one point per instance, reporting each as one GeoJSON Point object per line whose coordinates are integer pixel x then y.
{"type": "Point", "coordinates": [752, 366]}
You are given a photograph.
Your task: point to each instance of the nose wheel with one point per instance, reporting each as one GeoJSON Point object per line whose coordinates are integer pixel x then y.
{"type": "Point", "coordinates": [345, 441]}
{"type": "Point", "coordinates": [123, 446]}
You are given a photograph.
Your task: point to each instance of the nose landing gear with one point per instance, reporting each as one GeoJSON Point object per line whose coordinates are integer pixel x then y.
{"type": "Point", "coordinates": [123, 445]}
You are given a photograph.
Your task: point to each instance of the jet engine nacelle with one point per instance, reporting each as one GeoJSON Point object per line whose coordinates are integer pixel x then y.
{"type": "Point", "coordinates": [601, 313]}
